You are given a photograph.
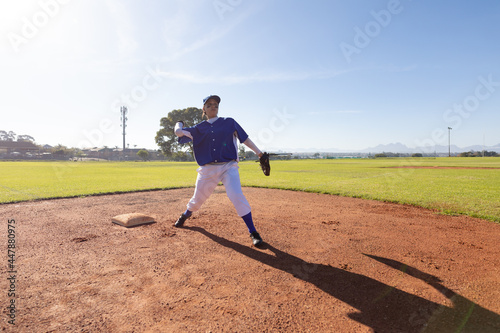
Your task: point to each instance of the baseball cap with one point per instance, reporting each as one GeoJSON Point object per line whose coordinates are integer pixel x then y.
{"type": "Point", "coordinates": [217, 98]}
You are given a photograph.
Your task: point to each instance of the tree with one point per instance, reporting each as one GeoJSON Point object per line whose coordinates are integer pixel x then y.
{"type": "Point", "coordinates": [165, 137]}
{"type": "Point", "coordinates": [478, 153]}
{"type": "Point", "coordinates": [27, 138]}
{"type": "Point", "coordinates": [62, 151]}
{"type": "Point", "coordinates": [7, 136]}
{"type": "Point", "coordinates": [181, 156]}
{"type": "Point", "coordinates": [11, 136]}
{"type": "Point", "coordinates": [144, 154]}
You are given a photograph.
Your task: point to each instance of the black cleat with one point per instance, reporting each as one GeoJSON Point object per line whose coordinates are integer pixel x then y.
{"type": "Point", "coordinates": [180, 221]}
{"type": "Point", "coordinates": [256, 239]}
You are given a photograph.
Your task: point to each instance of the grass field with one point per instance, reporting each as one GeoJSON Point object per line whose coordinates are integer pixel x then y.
{"type": "Point", "coordinates": [474, 192]}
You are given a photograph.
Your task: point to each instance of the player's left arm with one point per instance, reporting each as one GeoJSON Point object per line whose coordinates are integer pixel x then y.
{"type": "Point", "coordinates": [243, 137]}
{"type": "Point", "coordinates": [250, 144]}
{"type": "Point", "coordinates": [263, 157]}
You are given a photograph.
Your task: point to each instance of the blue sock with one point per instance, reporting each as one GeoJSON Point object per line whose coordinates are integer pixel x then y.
{"type": "Point", "coordinates": [249, 222]}
{"type": "Point", "coordinates": [188, 213]}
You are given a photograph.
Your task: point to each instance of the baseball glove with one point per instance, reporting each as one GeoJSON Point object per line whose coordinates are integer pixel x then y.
{"type": "Point", "coordinates": [264, 164]}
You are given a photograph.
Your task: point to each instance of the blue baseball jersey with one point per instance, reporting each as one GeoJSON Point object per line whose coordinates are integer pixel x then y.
{"type": "Point", "coordinates": [215, 143]}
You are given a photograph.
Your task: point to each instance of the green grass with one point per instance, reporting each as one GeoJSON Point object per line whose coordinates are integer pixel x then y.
{"type": "Point", "coordinates": [474, 192]}
{"type": "Point", "coordinates": [20, 181]}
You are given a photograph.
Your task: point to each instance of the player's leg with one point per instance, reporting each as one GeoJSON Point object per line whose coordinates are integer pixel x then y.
{"type": "Point", "coordinates": [232, 183]}
{"type": "Point", "coordinates": [206, 181]}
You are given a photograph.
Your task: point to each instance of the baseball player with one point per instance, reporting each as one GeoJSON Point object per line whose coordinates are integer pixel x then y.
{"type": "Point", "coordinates": [215, 148]}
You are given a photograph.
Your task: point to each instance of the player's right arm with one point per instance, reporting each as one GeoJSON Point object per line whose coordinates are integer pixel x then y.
{"type": "Point", "coordinates": [178, 129]}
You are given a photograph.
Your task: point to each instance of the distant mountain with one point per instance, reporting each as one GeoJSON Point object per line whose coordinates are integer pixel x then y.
{"type": "Point", "coordinates": [400, 148]}
{"type": "Point", "coordinates": [391, 147]}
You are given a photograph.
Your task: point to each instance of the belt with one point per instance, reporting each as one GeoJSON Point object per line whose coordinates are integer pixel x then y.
{"type": "Point", "coordinates": [218, 163]}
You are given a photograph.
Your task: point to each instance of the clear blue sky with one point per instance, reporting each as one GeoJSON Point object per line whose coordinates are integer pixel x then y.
{"type": "Point", "coordinates": [295, 74]}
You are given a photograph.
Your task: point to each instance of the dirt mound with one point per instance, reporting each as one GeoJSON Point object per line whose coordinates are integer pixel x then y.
{"type": "Point", "coordinates": [330, 264]}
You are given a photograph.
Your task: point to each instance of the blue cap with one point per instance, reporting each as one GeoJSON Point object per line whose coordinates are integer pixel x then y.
{"type": "Point", "coordinates": [217, 98]}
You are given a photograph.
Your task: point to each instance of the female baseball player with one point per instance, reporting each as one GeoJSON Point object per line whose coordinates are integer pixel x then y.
{"type": "Point", "coordinates": [216, 151]}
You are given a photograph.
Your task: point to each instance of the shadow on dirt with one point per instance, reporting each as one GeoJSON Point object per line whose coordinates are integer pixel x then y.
{"type": "Point", "coordinates": [380, 306]}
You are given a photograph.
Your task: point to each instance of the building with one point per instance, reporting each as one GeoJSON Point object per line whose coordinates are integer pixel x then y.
{"type": "Point", "coordinates": [12, 148]}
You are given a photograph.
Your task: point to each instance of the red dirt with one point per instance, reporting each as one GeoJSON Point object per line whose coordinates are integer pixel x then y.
{"type": "Point", "coordinates": [330, 264]}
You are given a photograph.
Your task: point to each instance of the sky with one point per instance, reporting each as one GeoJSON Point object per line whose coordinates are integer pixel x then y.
{"type": "Point", "coordinates": [296, 75]}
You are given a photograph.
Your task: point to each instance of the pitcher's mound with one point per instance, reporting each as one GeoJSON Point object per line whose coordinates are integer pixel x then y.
{"type": "Point", "coordinates": [329, 264]}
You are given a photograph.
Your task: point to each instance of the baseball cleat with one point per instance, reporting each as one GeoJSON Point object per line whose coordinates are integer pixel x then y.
{"type": "Point", "coordinates": [180, 221]}
{"type": "Point", "coordinates": [256, 239]}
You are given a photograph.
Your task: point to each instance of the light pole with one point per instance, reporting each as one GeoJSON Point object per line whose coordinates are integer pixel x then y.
{"type": "Point", "coordinates": [123, 111]}
{"type": "Point", "coordinates": [449, 141]}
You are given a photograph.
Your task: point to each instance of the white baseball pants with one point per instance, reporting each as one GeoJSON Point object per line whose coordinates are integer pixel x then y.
{"type": "Point", "coordinates": [209, 176]}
